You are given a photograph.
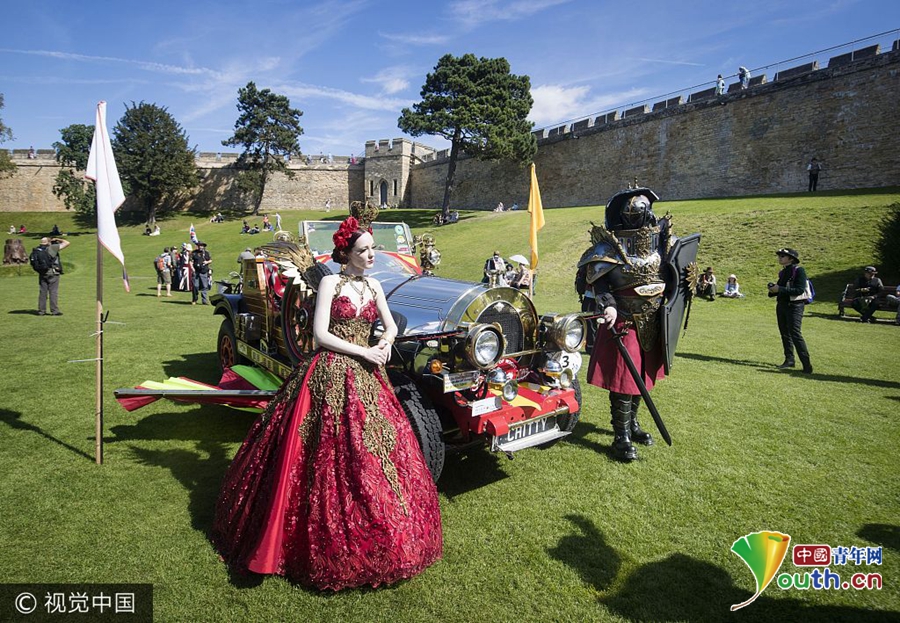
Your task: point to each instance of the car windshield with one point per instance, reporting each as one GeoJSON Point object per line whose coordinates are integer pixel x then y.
{"type": "Point", "coordinates": [388, 236]}
{"type": "Point", "coordinates": [384, 262]}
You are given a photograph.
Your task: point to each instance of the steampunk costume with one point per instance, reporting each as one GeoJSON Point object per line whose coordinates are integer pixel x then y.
{"type": "Point", "coordinates": [627, 268]}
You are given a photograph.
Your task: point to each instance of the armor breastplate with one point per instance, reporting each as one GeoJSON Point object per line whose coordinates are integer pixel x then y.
{"type": "Point", "coordinates": [630, 262]}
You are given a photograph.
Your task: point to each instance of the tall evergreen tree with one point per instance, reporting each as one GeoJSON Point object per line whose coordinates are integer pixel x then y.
{"type": "Point", "coordinates": [480, 107]}
{"type": "Point", "coordinates": [268, 129]}
{"type": "Point", "coordinates": [72, 154]}
{"type": "Point", "coordinates": [155, 163]}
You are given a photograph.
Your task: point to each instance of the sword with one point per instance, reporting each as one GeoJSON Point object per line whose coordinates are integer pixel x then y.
{"type": "Point", "coordinates": [618, 335]}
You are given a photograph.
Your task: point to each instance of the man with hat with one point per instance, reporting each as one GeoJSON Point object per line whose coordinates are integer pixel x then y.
{"type": "Point", "coordinates": [867, 288]}
{"type": "Point", "coordinates": [494, 269]}
{"type": "Point", "coordinates": [200, 259]}
{"type": "Point", "coordinates": [50, 268]}
{"type": "Point", "coordinates": [789, 292]}
{"type": "Point", "coordinates": [706, 285]}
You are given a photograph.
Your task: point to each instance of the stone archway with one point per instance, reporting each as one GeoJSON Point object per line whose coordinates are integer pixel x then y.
{"type": "Point", "coordinates": [383, 193]}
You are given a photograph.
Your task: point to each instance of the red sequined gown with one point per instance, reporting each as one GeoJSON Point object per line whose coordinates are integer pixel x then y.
{"type": "Point", "coordinates": [330, 488]}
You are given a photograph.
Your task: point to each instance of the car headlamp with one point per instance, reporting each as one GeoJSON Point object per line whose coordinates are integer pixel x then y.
{"type": "Point", "coordinates": [510, 390]}
{"type": "Point", "coordinates": [497, 376]}
{"type": "Point", "coordinates": [484, 346]}
{"type": "Point", "coordinates": [552, 368]}
{"type": "Point", "coordinates": [568, 332]}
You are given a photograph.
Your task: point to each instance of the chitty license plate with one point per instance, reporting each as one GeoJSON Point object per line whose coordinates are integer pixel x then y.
{"type": "Point", "coordinates": [528, 429]}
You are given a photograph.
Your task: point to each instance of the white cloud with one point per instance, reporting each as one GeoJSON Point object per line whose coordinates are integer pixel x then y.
{"type": "Point", "coordinates": [556, 103]}
{"type": "Point", "coordinates": [392, 79]}
{"type": "Point", "coordinates": [418, 39]}
{"type": "Point", "coordinates": [474, 12]}
{"type": "Point", "coordinates": [667, 61]}
{"type": "Point", "coordinates": [365, 102]}
{"type": "Point", "coordinates": [53, 80]}
{"type": "Point", "coordinates": [146, 65]}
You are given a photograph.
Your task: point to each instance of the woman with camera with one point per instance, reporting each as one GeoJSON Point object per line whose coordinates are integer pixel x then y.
{"type": "Point", "coordinates": [789, 292]}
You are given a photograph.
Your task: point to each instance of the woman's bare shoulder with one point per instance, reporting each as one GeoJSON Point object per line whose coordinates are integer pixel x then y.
{"type": "Point", "coordinates": [374, 283]}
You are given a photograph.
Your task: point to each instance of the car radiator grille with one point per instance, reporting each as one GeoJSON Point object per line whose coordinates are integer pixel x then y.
{"type": "Point", "coordinates": [504, 315]}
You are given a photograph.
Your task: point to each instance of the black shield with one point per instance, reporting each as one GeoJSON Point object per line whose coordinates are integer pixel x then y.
{"type": "Point", "coordinates": [681, 280]}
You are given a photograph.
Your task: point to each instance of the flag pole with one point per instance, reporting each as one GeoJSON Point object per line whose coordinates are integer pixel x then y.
{"type": "Point", "coordinates": [101, 169]}
{"type": "Point", "coordinates": [536, 211]}
{"type": "Point", "coordinates": [98, 413]}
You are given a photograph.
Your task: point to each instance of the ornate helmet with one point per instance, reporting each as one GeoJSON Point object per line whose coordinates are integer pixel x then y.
{"type": "Point", "coordinates": [631, 209]}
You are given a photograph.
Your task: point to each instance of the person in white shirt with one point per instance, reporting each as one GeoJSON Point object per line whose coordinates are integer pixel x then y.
{"type": "Point", "coordinates": [732, 289]}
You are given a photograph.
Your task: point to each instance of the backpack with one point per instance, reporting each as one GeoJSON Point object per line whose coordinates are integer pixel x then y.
{"type": "Point", "coordinates": [809, 294]}
{"type": "Point", "coordinates": [161, 263]}
{"type": "Point", "coordinates": [41, 260]}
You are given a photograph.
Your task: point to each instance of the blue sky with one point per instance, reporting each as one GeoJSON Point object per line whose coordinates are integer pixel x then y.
{"type": "Point", "coordinates": [352, 65]}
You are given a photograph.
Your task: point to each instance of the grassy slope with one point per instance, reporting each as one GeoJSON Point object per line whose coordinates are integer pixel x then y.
{"type": "Point", "coordinates": [559, 534]}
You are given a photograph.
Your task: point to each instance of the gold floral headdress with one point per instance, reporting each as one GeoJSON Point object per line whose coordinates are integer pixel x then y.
{"type": "Point", "coordinates": [364, 212]}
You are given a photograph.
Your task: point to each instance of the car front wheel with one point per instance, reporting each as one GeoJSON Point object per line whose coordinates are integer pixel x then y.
{"type": "Point", "coordinates": [424, 421]}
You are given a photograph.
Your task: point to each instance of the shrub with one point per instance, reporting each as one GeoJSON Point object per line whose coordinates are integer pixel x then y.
{"type": "Point", "coordinates": [887, 249]}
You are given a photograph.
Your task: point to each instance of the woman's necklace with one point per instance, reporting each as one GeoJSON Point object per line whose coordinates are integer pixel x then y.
{"type": "Point", "coordinates": [352, 280]}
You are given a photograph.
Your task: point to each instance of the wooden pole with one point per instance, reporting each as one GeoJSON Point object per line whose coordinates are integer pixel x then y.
{"type": "Point", "coordinates": [98, 414]}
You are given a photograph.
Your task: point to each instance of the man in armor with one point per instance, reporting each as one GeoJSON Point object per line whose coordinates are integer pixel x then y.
{"type": "Point", "coordinates": [626, 269]}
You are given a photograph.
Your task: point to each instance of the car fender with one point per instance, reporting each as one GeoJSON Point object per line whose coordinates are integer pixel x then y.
{"type": "Point", "coordinates": [228, 305]}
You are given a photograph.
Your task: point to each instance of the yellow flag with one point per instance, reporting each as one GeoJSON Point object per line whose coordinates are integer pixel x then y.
{"type": "Point", "coordinates": [536, 209]}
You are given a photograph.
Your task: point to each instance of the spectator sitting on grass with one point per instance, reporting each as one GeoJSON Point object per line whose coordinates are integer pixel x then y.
{"type": "Point", "coordinates": [732, 289]}
{"type": "Point", "coordinates": [706, 287]}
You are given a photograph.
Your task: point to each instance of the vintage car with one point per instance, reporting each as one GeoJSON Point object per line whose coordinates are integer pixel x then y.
{"type": "Point", "coordinates": [471, 363]}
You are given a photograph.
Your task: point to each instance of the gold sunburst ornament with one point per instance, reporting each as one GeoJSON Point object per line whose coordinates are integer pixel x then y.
{"type": "Point", "coordinates": [292, 258]}
{"type": "Point", "coordinates": [283, 236]}
{"type": "Point", "coordinates": [692, 277]}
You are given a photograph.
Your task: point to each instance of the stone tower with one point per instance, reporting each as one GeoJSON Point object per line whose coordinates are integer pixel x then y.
{"type": "Point", "coordinates": [387, 180]}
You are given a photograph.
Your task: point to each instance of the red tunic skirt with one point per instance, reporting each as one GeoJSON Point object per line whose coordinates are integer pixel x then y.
{"type": "Point", "coordinates": [607, 368]}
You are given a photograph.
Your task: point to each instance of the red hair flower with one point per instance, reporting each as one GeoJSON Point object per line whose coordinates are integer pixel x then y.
{"type": "Point", "coordinates": [341, 237]}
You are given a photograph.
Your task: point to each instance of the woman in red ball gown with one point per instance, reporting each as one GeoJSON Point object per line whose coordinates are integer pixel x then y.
{"type": "Point", "coordinates": [330, 488]}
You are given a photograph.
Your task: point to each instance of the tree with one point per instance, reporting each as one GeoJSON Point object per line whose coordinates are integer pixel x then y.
{"type": "Point", "coordinates": [7, 167]}
{"type": "Point", "coordinates": [154, 160]}
{"type": "Point", "coordinates": [886, 248]}
{"type": "Point", "coordinates": [72, 154]}
{"type": "Point", "coordinates": [268, 129]}
{"type": "Point", "coordinates": [480, 107]}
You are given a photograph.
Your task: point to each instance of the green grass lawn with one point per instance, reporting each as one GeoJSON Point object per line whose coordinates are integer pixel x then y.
{"type": "Point", "coordinates": [562, 534]}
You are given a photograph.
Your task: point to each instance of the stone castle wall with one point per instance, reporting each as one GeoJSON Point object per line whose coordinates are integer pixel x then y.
{"type": "Point", "coordinates": [31, 188]}
{"type": "Point", "coordinates": [755, 141]}
{"type": "Point", "coordinates": [749, 142]}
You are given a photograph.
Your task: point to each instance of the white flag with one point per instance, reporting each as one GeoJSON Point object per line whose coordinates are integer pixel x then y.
{"type": "Point", "coordinates": [101, 168]}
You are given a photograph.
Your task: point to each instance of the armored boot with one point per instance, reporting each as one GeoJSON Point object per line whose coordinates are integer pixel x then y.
{"type": "Point", "coordinates": [620, 408]}
{"type": "Point", "coordinates": [638, 434]}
